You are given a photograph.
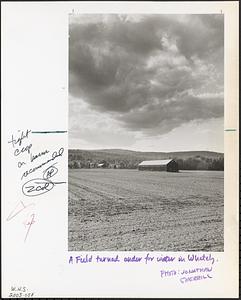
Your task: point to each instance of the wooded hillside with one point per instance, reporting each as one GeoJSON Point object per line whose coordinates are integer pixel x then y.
{"type": "Point", "coordinates": [126, 159]}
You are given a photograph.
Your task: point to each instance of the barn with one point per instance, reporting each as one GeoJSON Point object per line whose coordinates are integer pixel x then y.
{"type": "Point", "coordinates": [168, 165]}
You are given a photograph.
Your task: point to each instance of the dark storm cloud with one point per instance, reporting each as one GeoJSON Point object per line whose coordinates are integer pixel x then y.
{"type": "Point", "coordinates": [149, 72]}
{"type": "Point", "coordinates": [162, 117]}
{"type": "Point", "coordinates": [201, 35]}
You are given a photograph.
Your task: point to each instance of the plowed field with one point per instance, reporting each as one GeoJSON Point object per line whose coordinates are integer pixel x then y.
{"type": "Point", "coordinates": [131, 210]}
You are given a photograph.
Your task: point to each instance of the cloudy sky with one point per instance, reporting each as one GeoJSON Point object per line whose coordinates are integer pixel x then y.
{"type": "Point", "coordinates": [146, 82]}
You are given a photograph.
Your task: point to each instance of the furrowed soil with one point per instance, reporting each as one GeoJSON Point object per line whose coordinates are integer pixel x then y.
{"type": "Point", "coordinates": [131, 210]}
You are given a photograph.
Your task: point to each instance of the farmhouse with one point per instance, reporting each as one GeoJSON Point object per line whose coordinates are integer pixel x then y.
{"type": "Point", "coordinates": [168, 165]}
{"type": "Point", "coordinates": [101, 165]}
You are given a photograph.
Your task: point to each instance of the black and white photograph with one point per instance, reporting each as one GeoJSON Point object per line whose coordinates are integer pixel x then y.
{"type": "Point", "coordinates": [120, 144]}
{"type": "Point", "coordinates": [146, 132]}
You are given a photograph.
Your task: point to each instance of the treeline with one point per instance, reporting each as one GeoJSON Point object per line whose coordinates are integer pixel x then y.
{"type": "Point", "coordinates": [201, 163]}
{"type": "Point", "coordinates": [192, 163]}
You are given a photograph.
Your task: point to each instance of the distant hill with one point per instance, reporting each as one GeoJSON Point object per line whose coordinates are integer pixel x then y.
{"type": "Point", "coordinates": [130, 159]}
{"type": "Point", "coordinates": [160, 155]}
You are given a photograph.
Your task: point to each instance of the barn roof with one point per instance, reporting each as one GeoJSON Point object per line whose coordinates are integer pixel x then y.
{"type": "Point", "coordinates": [161, 162]}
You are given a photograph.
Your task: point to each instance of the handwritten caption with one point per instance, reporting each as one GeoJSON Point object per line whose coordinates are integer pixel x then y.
{"type": "Point", "coordinates": [191, 267]}
{"type": "Point", "coordinates": [20, 292]}
{"type": "Point", "coordinates": [41, 164]}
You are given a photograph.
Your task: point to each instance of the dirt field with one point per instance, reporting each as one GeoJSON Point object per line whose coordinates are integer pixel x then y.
{"type": "Point", "coordinates": [135, 210]}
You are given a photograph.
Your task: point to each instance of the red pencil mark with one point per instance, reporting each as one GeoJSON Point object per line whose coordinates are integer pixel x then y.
{"type": "Point", "coordinates": [19, 207]}
{"type": "Point", "coordinates": [29, 224]}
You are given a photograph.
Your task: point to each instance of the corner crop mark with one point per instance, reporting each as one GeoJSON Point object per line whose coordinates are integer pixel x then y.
{"type": "Point", "coordinates": [45, 132]}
